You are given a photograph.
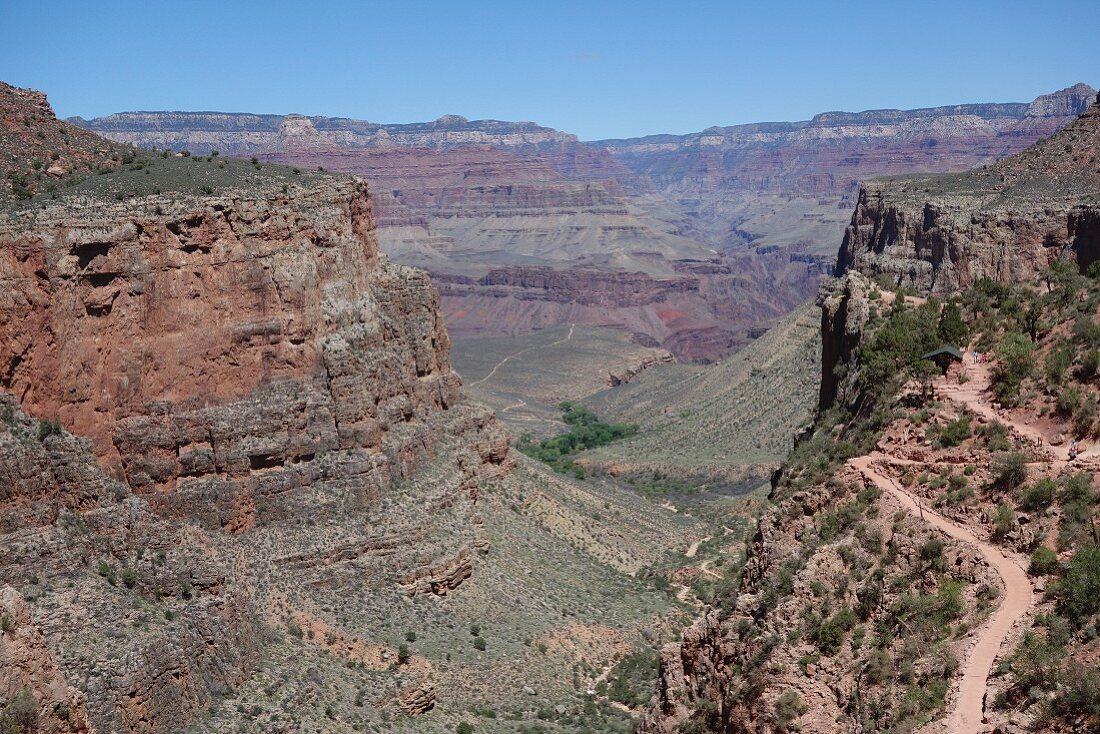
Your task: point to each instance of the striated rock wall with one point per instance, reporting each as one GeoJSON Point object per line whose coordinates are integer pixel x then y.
{"type": "Point", "coordinates": [217, 353]}
{"type": "Point", "coordinates": [269, 425]}
{"type": "Point", "coordinates": [1008, 221]}
{"type": "Point", "coordinates": [794, 183]}
{"type": "Point", "coordinates": [586, 287]}
{"type": "Point", "coordinates": [74, 644]}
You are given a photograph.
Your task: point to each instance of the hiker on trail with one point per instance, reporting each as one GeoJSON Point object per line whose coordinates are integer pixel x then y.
{"type": "Point", "coordinates": [1073, 450]}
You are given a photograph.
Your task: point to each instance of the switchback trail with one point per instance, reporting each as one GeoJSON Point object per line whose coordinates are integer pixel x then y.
{"type": "Point", "coordinates": [500, 364]}
{"type": "Point", "coordinates": [968, 712]}
{"type": "Point", "coordinates": [972, 394]}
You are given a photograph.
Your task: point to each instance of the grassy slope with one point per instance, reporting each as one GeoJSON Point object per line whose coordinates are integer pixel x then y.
{"type": "Point", "coordinates": [544, 368]}
{"type": "Point", "coordinates": [741, 412]}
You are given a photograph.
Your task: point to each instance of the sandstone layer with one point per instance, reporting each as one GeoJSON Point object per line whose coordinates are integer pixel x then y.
{"type": "Point", "coordinates": [270, 425]}
{"type": "Point", "coordinates": [794, 184]}
{"type": "Point", "coordinates": [1007, 221]}
{"type": "Point", "coordinates": [463, 198]}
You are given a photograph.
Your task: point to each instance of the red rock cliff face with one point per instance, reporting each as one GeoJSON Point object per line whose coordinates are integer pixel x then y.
{"type": "Point", "coordinates": [260, 421]}
{"type": "Point", "coordinates": [220, 349]}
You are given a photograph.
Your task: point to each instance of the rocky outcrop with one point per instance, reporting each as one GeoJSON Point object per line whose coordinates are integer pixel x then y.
{"type": "Point", "coordinates": [81, 558]}
{"type": "Point", "coordinates": [844, 316]}
{"type": "Point", "coordinates": [627, 372]}
{"type": "Point", "coordinates": [1007, 222]}
{"type": "Point", "coordinates": [217, 353]}
{"type": "Point", "coordinates": [29, 670]}
{"type": "Point", "coordinates": [37, 149]}
{"type": "Point", "coordinates": [269, 422]}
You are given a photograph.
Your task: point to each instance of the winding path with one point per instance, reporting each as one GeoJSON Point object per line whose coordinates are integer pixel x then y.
{"type": "Point", "coordinates": [968, 712]}
{"type": "Point", "coordinates": [972, 394]}
{"type": "Point", "coordinates": [500, 364]}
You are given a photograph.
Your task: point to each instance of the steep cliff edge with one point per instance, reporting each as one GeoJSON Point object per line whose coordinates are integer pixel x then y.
{"type": "Point", "coordinates": [793, 183]}
{"type": "Point", "coordinates": [1007, 221]}
{"type": "Point", "coordinates": [886, 590]}
{"type": "Point", "coordinates": [245, 365]}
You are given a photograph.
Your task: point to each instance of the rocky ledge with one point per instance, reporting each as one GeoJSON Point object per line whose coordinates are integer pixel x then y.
{"type": "Point", "coordinates": [1007, 221]}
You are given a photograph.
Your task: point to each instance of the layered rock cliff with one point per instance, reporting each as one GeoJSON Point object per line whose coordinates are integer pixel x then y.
{"type": "Point", "coordinates": [270, 425]}
{"type": "Point", "coordinates": [791, 648]}
{"type": "Point", "coordinates": [1007, 221]}
{"type": "Point", "coordinates": [794, 183]}
{"type": "Point", "coordinates": [461, 197]}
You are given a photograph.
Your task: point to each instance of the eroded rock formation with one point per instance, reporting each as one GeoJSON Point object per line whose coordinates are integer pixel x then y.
{"type": "Point", "coordinates": [269, 423]}
{"type": "Point", "coordinates": [1007, 221]}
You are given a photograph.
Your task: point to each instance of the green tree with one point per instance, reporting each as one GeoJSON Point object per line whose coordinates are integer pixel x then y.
{"type": "Point", "coordinates": [1064, 280]}
{"type": "Point", "coordinates": [952, 329]}
{"type": "Point", "coordinates": [1080, 589]}
{"type": "Point", "coordinates": [1015, 364]}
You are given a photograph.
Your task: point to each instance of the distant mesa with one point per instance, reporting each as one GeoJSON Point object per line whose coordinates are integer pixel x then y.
{"type": "Point", "coordinates": [452, 120]}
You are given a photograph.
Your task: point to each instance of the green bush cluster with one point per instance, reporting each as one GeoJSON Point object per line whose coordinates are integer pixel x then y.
{"type": "Point", "coordinates": [586, 431]}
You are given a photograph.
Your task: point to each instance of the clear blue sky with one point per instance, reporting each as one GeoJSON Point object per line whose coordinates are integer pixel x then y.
{"type": "Point", "coordinates": [598, 69]}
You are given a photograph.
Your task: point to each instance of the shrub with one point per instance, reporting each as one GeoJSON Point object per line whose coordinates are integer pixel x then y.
{"type": "Point", "coordinates": [1084, 416]}
{"type": "Point", "coordinates": [830, 634]}
{"type": "Point", "coordinates": [47, 428]}
{"type": "Point", "coordinates": [1079, 694]}
{"type": "Point", "coordinates": [1010, 470]}
{"type": "Point", "coordinates": [955, 432]}
{"type": "Point", "coordinates": [7, 624]}
{"type": "Point", "coordinates": [1058, 361]}
{"type": "Point", "coordinates": [1080, 589]}
{"type": "Point", "coordinates": [995, 434]}
{"type": "Point", "coordinates": [788, 707]}
{"type": "Point", "coordinates": [633, 678]}
{"type": "Point", "coordinates": [1077, 488]}
{"type": "Point", "coordinates": [1004, 520]}
{"type": "Point", "coordinates": [403, 654]}
{"type": "Point", "coordinates": [1044, 561]}
{"type": "Point", "coordinates": [1015, 365]}
{"type": "Point", "coordinates": [22, 709]}
{"type": "Point", "coordinates": [105, 570]}
{"type": "Point", "coordinates": [129, 577]}
{"type": "Point", "coordinates": [1035, 662]}
{"type": "Point", "coordinates": [1090, 364]}
{"type": "Point", "coordinates": [932, 550]}
{"type": "Point", "coordinates": [879, 667]}
{"type": "Point", "coordinates": [410, 636]}
{"type": "Point", "coordinates": [1039, 495]}
{"type": "Point", "coordinates": [464, 727]}
{"type": "Point", "coordinates": [479, 643]}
